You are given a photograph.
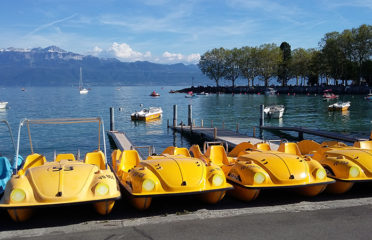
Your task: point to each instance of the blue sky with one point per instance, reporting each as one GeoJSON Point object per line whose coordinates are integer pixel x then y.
{"type": "Point", "coordinates": [173, 31]}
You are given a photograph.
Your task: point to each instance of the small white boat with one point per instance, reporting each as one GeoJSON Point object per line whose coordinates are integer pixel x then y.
{"type": "Point", "coordinates": [270, 91]}
{"type": "Point", "coordinates": [82, 89]}
{"type": "Point", "coordinates": [3, 105]}
{"type": "Point", "coordinates": [339, 106]}
{"type": "Point", "coordinates": [274, 111]}
{"type": "Point", "coordinates": [203, 93]}
{"type": "Point", "coordinates": [147, 114]}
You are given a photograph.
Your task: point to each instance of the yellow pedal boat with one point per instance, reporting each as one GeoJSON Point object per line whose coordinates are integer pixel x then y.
{"type": "Point", "coordinates": [173, 172]}
{"type": "Point", "coordinates": [346, 164]}
{"type": "Point", "coordinates": [63, 181]}
{"type": "Point", "coordinates": [251, 168]}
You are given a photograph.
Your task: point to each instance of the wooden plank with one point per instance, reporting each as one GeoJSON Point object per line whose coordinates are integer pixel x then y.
{"type": "Point", "coordinates": [121, 141]}
{"type": "Point", "coordinates": [227, 136]}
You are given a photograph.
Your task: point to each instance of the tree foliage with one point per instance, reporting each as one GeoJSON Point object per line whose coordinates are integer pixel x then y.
{"type": "Point", "coordinates": [231, 71]}
{"type": "Point", "coordinates": [248, 64]}
{"type": "Point", "coordinates": [212, 64]}
{"type": "Point", "coordinates": [340, 57]}
{"type": "Point", "coordinates": [283, 69]}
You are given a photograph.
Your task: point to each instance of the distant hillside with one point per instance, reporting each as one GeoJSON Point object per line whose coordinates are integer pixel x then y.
{"type": "Point", "coordinates": [53, 66]}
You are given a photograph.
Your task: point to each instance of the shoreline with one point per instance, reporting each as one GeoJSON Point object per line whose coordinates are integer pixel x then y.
{"type": "Point", "coordinates": [281, 90]}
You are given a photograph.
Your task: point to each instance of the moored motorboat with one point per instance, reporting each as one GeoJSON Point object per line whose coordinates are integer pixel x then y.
{"type": "Point", "coordinates": [274, 111]}
{"type": "Point", "coordinates": [327, 95]}
{"type": "Point", "coordinates": [190, 95]}
{"type": "Point", "coordinates": [270, 91]}
{"type": "Point", "coordinates": [154, 94]}
{"type": "Point", "coordinates": [146, 114]}
{"type": "Point", "coordinates": [339, 106]}
{"type": "Point", "coordinates": [3, 105]}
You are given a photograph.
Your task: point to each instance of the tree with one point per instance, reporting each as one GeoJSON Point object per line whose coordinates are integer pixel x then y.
{"type": "Point", "coordinates": [313, 69]}
{"type": "Point", "coordinates": [361, 46]}
{"type": "Point", "coordinates": [334, 56]}
{"type": "Point", "coordinates": [212, 64]}
{"type": "Point", "coordinates": [268, 57]}
{"type": "Point", "coordinates": [283, 70]}
{"type": "Point", "coordinates": [300, 65]}
{"type": "Point", "coordinates": [232, 71]}
{"type": "Point", "coordinates": [367, 71]}
{"type": "Point", "coordinates": [248, 64]}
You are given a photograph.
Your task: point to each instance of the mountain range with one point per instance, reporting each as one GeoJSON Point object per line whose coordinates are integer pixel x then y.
{"type": "Point", "coordinates": [53, 66]}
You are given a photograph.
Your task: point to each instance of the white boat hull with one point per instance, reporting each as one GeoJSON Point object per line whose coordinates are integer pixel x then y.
{"type": "Point", "coordinates": [275, 111]}
{"type": "Point", "coordinates": [147, 114]}
{"type": "Point", "coordinates": [84, 91]}
{"type": "Point", "coordinates": [3, 105]}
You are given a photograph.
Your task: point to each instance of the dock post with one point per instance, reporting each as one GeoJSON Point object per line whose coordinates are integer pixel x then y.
{"type": "Point", "coordinates": [254, 132]}
{"type": "Point", "coordinates": [189, 118]}
{"type": "Point", "coordinates": [301, 135]}
{"type": "Point", "coordinates": [174, 115]}
{"type": "Point", "coordinates": [167, 123]}
{"type": "Point", "coordinates": [193, 123]}
{"type": "Point", "coordinates": [211, 123]}
{"type": "Point", "coordinates": [112, 117]}
{"type": "Point", "coordinates": [202, 123]}
{"type": "Point", "coordinates": [215, 133]}
{"type": "Point", "coordinates": [223, 124]}
{"type": "Point", "coordinates": [237, 127]}
{"type": "Point", "coordinates": [262, 115]}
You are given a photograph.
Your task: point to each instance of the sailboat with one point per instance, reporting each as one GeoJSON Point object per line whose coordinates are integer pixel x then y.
{"type": "Point", "coordinates": [82, 89]}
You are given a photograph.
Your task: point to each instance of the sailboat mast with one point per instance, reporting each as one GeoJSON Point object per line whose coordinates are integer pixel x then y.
{"type": "Point", "coordinates": [81, 79]}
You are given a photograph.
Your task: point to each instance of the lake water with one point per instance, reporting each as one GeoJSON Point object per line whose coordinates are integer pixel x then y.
{"type": "Point", "coordinates": [34, 103]}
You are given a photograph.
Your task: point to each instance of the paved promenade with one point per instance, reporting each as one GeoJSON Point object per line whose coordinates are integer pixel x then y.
{"type": "Point", "coordinates": [274, 215]}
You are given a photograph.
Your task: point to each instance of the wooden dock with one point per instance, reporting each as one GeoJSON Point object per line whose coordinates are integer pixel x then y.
{"type": "Point", "coordinates": [314, 132]}
{"type": "Point", "coordinates": [229, 137]}
{"type": "Point", "coordinates": [120, 140]}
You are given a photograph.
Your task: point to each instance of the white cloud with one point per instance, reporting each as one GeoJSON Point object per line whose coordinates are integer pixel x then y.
{"type": "Point", "coordinates": [178, 57]}
{"type": "Point", "coordinates": [96, 51]}
{"type": "Point", "coordinates": [124, 52]}
{"type": "Point", "coordinates": [195, 57]}
{"type": "Point", "coordinates": [172, 56]}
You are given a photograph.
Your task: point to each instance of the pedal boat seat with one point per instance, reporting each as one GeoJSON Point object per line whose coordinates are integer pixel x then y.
{"type": "Point", "coordinates": [96, 158]}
